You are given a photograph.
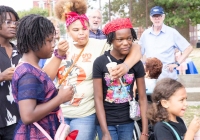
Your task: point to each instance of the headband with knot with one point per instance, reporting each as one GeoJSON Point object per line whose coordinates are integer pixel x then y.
{"type": "Point", "coordinates": [73, 16]}
{"type": "Point", "coordinates": [117, 24]}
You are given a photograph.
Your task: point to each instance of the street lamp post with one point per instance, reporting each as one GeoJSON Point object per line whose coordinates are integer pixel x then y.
{"type": "Point", "coordinates": [100, 5]}
{"type": "Point", "coordinates": [49, 7]}
{"type": "Point", "coordinates": [130, 9]}
{"type": "Point", "coordinates": [146, 14]}
{"type": "Point", "coordinates": [109, 10]}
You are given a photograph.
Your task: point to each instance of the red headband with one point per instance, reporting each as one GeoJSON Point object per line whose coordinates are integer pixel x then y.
{"type": "Point", "coordinates": [73, 16]}
{"type": "Point", "coordinates": [117, 24]}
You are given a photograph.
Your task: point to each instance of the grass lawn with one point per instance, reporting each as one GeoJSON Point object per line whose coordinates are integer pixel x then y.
{"type": "Point", "coordinates": [195, 56]}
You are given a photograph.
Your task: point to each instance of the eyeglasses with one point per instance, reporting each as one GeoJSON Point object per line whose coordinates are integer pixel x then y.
{"type": "Point", "coordinates": [10, 22]}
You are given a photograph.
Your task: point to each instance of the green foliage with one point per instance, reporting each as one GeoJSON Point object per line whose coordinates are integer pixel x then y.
{"type": "Point", "coordinates": [116, 7]}
{"type": "Point", "coordinates": [178, 11]}
{"type": "Point", "coordinates": [138, 12]}
{"type": "Point", "coordinates": [62, 29]}
{"type": "Point", "coordinates": [38, 11]}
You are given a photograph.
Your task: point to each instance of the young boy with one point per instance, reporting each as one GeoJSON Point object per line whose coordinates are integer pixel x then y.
{"type": "Point", "coordinates": [9, 57]}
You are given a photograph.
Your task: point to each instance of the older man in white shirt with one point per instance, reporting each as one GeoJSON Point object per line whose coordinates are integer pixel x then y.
{"type": "Point", "coordinates": [161, 40]}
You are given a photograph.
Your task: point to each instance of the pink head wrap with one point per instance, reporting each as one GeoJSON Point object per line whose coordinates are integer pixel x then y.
{"type": "Point", "coordinates": [117, 24]}
{"type": "Point", "coordinates": [73, 16]}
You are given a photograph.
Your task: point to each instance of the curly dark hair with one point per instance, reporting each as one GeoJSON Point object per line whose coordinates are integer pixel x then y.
{"type": "Point", "coordinates": [154, 66]}
{"type": "Point", "coordinates": [163, 90]}
{"type": "Point", "coordinates": [3, 16]}
{"type": "Point", "coordinates": [32, 32]}
{"type": "Point", "coordinates": [111, 36]}
{"type": "Point", "coordinates": [65, 6]}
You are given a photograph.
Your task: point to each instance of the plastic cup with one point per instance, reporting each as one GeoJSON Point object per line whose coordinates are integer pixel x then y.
{"type": "Point", "coordinates": [197, 135]}
{"type": "Point", "coordinates": [110, 66]}
{"type": "Point", "coordinates": [68, 102]}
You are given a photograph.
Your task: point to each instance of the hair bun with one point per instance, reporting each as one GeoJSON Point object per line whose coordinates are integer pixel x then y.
{"type": "Point", "coordinates": [65, 6]}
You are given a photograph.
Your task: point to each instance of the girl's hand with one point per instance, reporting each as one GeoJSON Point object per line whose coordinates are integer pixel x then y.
{"type": "Point", "coordinates": [143, 137]}
{"type": "Point", "coordinates": [171, 67]}
{"type": "Point", "coordinates": [106, 136]}
{"type": "Point", "coordinates": [119, 71]}
{"type": "Point", "coordinates": [7, 74]}
{"type": "Point", "coordinates": [65, 93]}
{"type": "Point", "coordinates": [63, 46]}
{"type": "Point", "coordinates": [194, 125]}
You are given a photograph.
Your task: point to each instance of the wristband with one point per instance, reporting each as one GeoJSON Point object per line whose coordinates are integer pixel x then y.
{"type": "Point", "coordinates": [126, 65]}
{"type": "Point", "coordinates": [59, 56]}
{"type": "Point", "coordinates": [147, 135]}
{"type": "Point", "coordinates": [178, 64]}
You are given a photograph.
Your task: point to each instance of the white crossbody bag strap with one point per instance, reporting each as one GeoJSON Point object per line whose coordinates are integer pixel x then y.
{"type": "Point", "coordinates": [42, 130]}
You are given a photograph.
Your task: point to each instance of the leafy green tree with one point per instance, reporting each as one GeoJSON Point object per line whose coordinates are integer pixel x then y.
{"type": "Point", "coordinates": [62, 29]}
{"type": "Point", "coordinates": [39, 11]}
{"type": "Point", "coordinates": [116, 8]}
{"type": "Point", "coordinates": [138, 11]}
{"type": "Point", "coordinates": [179, 13]}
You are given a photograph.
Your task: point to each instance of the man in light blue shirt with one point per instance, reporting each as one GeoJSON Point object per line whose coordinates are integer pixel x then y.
{"type": "Point", "coordinates": [161, 40]}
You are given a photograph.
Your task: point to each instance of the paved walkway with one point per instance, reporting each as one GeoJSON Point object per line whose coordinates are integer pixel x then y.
{"type": "Point", "coordinates": [195, 89]}
{"type": "Point", "coordinates": [193, 103]}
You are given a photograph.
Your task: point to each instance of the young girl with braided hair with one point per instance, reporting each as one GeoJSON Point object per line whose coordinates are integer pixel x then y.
{"type": "Point", "coordinates": [34, 92]}
{"type": "Point", "coordinates": [76, 69]}
{"type": "Point", "coordinates": [168, 106]}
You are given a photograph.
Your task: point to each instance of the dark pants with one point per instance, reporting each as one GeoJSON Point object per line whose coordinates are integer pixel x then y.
{"type": "Point", "coordinates": [6, 133]}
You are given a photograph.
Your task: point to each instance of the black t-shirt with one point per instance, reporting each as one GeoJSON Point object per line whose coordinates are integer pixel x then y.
{"type": "Point", "coordinates": [8, 108]}
{"type": "Point", "coordinates": [164, 132]}
{"type": "Point", "coordinates": [115, 97]}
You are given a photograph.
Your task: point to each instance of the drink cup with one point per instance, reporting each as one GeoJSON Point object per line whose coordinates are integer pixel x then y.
{"type": "Point", "coordinates": [110, 66]}
{"type": "Point", "coordinates": [197, 135]}
{"type": "Point", "coordinates": [68, 102]}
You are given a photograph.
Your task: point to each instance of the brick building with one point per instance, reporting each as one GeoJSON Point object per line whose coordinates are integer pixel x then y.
{"type": "Point", "coordinates": [44, 3]}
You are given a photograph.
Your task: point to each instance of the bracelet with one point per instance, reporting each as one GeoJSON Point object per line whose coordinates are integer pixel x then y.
{"type": "Point", "coordinates": [178, 64]}
{"type": "Point", "coordinates": [145, 134]}
{"type": "Point", "coordinates": [59, 56]}
{"type": "Point", "coordinates": [126, 65]}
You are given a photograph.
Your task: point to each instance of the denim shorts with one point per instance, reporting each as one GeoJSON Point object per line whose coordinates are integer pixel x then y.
{"type": "Point", "coordinates": [118, 132]}
{"type": "Point", "coordinates": [85, 126]}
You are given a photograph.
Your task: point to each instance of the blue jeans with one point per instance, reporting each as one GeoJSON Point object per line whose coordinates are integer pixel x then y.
{"type": "Point", "coordinates": [118, 132]}
{"type": "Point", "coordinates": [85, 126]}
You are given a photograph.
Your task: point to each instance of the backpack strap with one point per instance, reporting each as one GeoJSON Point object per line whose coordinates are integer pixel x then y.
{"type": "Point", "coordinates": [43, 131]}
{"type": "Point", "coordinates": [61, 119]}
{"type": "Point", "coordinates": [176, 134]}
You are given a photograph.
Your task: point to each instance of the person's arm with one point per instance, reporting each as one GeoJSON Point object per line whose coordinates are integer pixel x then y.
{"type": "Point", "coordinates": [133, 57]}
{"type": "Point", "coordinates": [192, 129]}
{"type": "Point", "coordinates": [182, 58]}
{"type": "Point", "coordinates": [185, 54]}
{"type": "Point", "coordinates": [51, 67]}
{"type": "Point", "coordinates": [30, 110]}
{"type": "Point", "coordinates": [143, 105]}
{"type": "Point", "coordinates": [98, 98]}
{"type": "Point", "coordinates": [7, 74]}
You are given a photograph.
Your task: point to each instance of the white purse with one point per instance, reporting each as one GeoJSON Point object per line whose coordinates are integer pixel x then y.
{"type": "Point", "coordinates": [134, 108]}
